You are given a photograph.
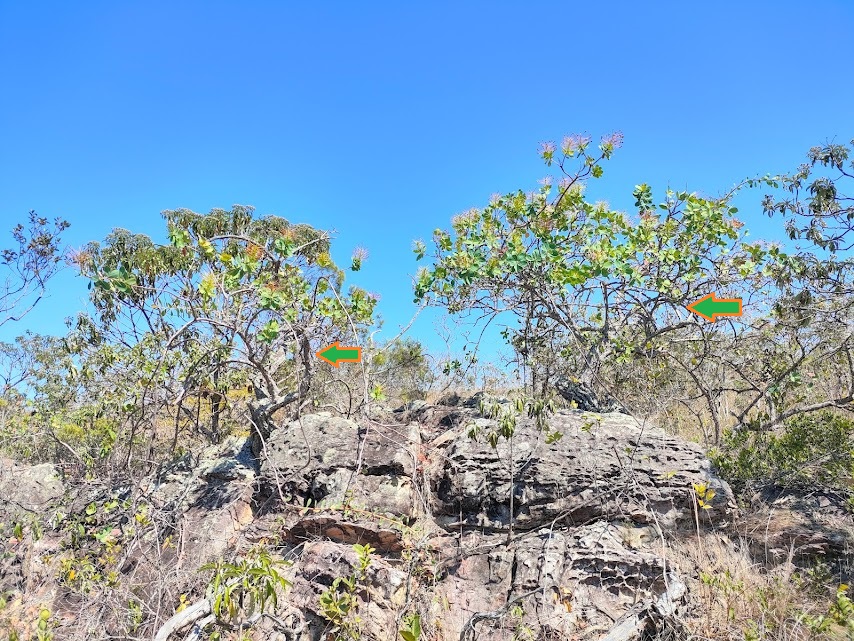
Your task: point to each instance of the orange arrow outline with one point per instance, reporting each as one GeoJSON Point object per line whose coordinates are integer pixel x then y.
{"type": "Point", "coordinates": [715, 299]}
{"type": "Point", "coordinates": [338, 362]}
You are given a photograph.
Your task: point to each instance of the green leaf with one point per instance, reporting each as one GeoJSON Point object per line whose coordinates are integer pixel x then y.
{"type": "Point", "coordinates": [180, 238]}
{"type": "Point", "coordinates": [420, 249]}
{"type": "Point", "coordinates": [283, 246]}
{"type": "Point", "coordinates": [269, 332]}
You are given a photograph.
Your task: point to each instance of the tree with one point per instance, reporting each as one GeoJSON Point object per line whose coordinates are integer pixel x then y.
{"type": "Point", "coordinates": [607, 291]}
{"type": "Point", "coordinates": [816, 297]}
{"type": "Point", "coordinates": [31, 261]}
{"type": "Point", "coordinates": [48, 412]}
{"type": "Point", "coordinates": [610, 282]}
{"type": "Point", "coordinates": [400, 368]}
{"type": "Point", "coordinates": [231, 298]}
{"type": "Point", "coordinates": [825, 217]}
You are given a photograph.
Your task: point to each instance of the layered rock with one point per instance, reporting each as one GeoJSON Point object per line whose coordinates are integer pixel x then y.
{"type": "Point", "coordinates": [571, 539]}
{"type": "Point", "coordinates": [604, 466]}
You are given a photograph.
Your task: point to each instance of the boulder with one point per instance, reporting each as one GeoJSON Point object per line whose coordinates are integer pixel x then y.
{"type": "Point", "coordinates": [451, 399]}
{"type": "Point", "coordinates": [412, 406]}
{"type": "Point", "coordinates": [474, 401]}
{"type": "Point", "coordinates": [28, 491]}
{"type": "Point", "coordinates": [584, 398]}
{"type": "Point", "coordinates": [323, 459]}
{"type": "Point", "coordinates": [604, 466]}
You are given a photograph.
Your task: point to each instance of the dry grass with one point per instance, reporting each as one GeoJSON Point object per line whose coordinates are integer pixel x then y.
{"type": "Point", "coordinates": [736, 598]}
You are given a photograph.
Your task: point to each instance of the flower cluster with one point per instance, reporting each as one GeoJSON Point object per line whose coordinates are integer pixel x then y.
{"type": "Point", "coordinates": [574, 143]}
{"type": "Point", "coordinates": [547, 148]}
{"type": "Point", "coordinates": [615, 140]}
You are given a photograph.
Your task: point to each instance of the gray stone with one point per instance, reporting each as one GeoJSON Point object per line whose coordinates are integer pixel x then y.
{"type": "Point", "coordinates": [604, 466]}
{"type": "Point", "coordinates": [584, 398]}
{"type": "Point", "coordinates": [28, 490]}
{"type": "Point", "coordinates": [316, 459]}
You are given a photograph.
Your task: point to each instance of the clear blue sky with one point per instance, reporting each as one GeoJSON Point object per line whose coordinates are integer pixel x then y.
{"type": "Point", "coordinates": [382, 120]}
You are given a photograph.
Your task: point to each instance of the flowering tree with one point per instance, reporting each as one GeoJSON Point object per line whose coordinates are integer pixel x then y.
{"type": "Point", "coordinates": [600, 292]}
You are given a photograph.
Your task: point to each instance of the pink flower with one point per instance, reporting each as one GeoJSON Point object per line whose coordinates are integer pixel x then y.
{"type": "Point", "coordinates": [615, 139]}
{"type": "Point", "coordinates": [571, 143]}
{"type": "Point", "coordinates": [547, 148]}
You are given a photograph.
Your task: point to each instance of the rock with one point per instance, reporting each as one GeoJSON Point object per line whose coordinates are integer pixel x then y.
{"type": "Point", "coordinates": [382, 535]}
{"type": "Point", "coordinates": [451, 399]}
{"type": "Point", "coordinates": [380, 413]}
{"type": "Point", "coordinates": [320, 563]}
{"type": "Point", "coordinates": [28, 491]}
{"type": "Point", "coordinates": [207, 508]}
{"type": "Point", "coordinates": [474, 401]}
{"type": "Point", "coordinates": [229, 461]}
{"type": "Point", "coordinates": [315, 459]}
{"type": "Point", "coordinates": [412, 406]}
{"type": "Point", "coordinates": [604, 466]}
{"type": "Point", "coordinates": [584, 398]}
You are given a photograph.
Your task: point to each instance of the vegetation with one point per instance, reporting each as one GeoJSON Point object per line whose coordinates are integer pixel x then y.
{"type": "Point", "coordinates": [809, 450]}
{"type": "Point", "coordinates": [28, 264]}
{"type": "Point", "coordinates": [601, 294]}
{"type": "Point", "coordinates": [238, 590]}
{"type": "Point", "coordinates": [339, 604]}
{"type": "Point", "coordinates": [214, 335]}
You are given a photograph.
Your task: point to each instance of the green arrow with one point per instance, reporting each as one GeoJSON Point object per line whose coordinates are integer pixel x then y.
{"type": "Point", "coordinates": [710, 307]}
{"type": "Point", "coordinates": [335, 354]}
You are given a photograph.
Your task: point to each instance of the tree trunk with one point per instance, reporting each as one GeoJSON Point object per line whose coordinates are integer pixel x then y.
{"type": "Point", "coordinates": [217, 402]}
{"type": "Point", "coordinates": [262, 423]}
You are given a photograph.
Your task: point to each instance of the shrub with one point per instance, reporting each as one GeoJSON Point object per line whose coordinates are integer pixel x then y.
{"type": "Point", "coordinates": [810, 449]}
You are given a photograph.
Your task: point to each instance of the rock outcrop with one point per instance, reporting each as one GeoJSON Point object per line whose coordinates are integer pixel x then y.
{"type": "Point", "coordinates": [28, 491]}
{"type": "Point", "coordinates": [574, 539]}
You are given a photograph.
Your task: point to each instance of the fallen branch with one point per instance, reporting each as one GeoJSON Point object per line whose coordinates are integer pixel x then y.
{"type": "Point", "coordinates": [290, 632]}
{"type": "Point", "coordinates": [199, 628]}
{"type": "Point", "coordinates": [183, 619]}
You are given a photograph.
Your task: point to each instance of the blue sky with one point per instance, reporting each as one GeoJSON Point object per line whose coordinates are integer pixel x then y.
{"type": "Point", "coordinates": [383, 120]}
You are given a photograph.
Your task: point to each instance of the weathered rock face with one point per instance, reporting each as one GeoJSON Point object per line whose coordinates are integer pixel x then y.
{"type": "Point", "coordinates": [588, 516]}
{"type": "Point", "coordinates": [28, 494]}
{"type": "Point", "coordinates": [574, 581]}
{"type": "Point", "coordinates": [316, 459]}
{"type": "Point", "coordinates": [28, 491]}
{"type": "Point", "coordinates": [577, 533]}
{"type": "Point", "coordinates": [584, 398]}
{"type": "Point", "coordinates": [321, 461]}
{"type": "Point", "coordinates": [604, 466]}
{"type": "Point", "coordinates": [588, 512]}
